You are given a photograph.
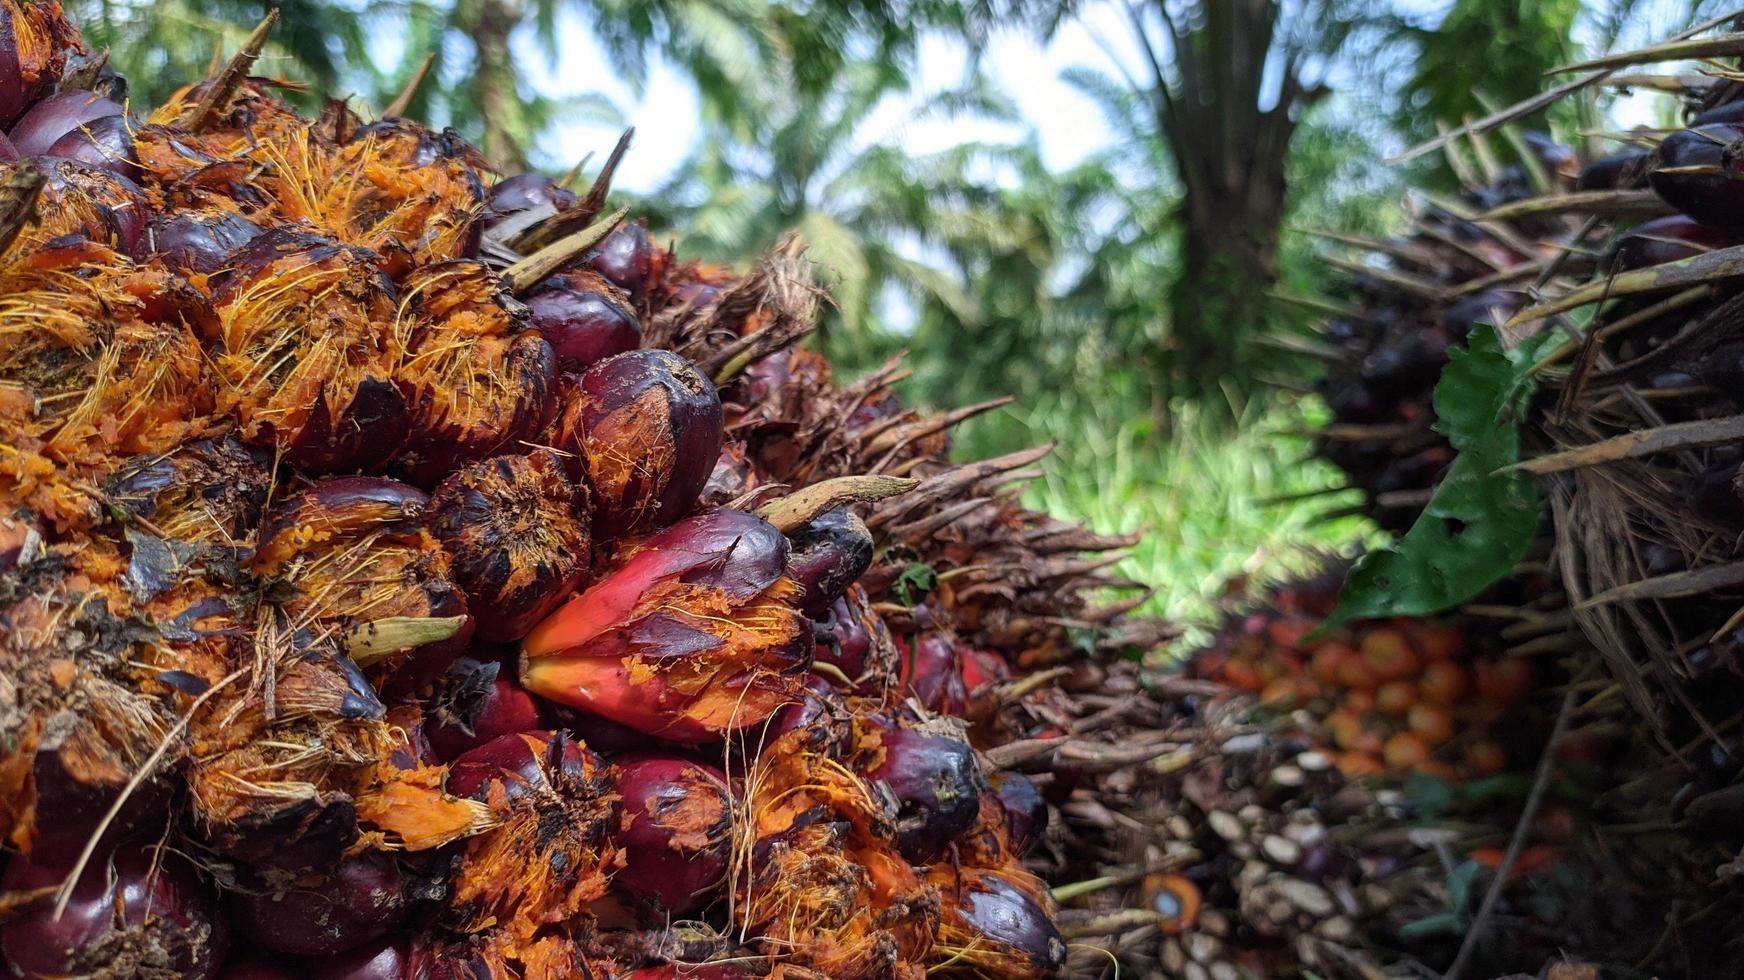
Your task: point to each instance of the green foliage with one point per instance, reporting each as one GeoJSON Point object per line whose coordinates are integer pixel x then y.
{"type": "Point", "coordinates": [1202, 498]}
{"type": "Point", "coordinates": [1482, 519]}
{"type": "Point", "coordinates": [1519, 42]}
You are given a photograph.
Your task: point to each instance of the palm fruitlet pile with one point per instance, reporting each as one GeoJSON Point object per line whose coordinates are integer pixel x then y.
{"type": "Point", "coordinates": [409, 570]}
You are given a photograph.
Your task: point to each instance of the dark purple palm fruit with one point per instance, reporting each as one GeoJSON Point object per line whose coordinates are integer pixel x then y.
{"type": "Point", "coordinates": [362, 900]}
{"type": "Point", "coordinates": [1003, 918]}
{"type": "Point", "coordinates": [517, 532]}
{"type": "Point", "coordinates": [644, 430]}
{"type": "Point", "coordinates": [829, 554]}
{"type": "Point", "coordinates": [198, 241]}
{"type": "Point", "coordinates": [584, 317]}
{"type": "Point", "coordinates": [389, 958]}
{"type": "Point", "coordinates": [523, 763]}
{"type": "Point", "coordinates": [476, 703]}
{"type": "Point", "coordinates": [933, 774]}
{"type": "Point", "coordinates": [106, 143]}
{"type": "Point", "coordinates": [134, 912]}
{"type": "Point", "coordinates": [97, 202]}
{"type": "Point", "coordinates": [1619, 171]}
{"type": "Point", "coordinates": [1662, 240]}
{"type": "Point", "coordinates": [54, 117]}
{"type": "Point", "coordinates": [1725, 112]}
{"type": "Point", "coordinates": [74, 794]}
{"type": "Point", "coordinates": [816, 699]}
{"type": "Point", "coordinates": [1025, 810]}
{"type": "Point", "coordinates": [8, 152]}
{"type": "Point", "coordinates": [1698, 172]}
{"type": "Point", "coordinates": [678, 833]}
{"type": "Point", "coordinates": [929, 668]}
{"type": "Point", "coordinates": [514, 204]}
{"type": "Point", "coordinates": [255, 969]}
{"type": "Point", "coordinates": [478, 382]}
{"type": "Point", "coordinates": [630, 260]}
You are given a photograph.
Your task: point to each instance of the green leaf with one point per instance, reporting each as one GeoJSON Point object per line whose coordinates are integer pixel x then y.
{"type": "Point", "coordinates": [1439, 924]}
{"type": "Point", "coordinates": [1480, 523]}
{"type": "Point", "coordinates": [916, 582]}
{"type": "Point", "coordinates": [1459, 887]}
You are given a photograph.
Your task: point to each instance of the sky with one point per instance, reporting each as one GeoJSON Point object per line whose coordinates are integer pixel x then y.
{"type": "Point", "coordinates": [1068, 126]}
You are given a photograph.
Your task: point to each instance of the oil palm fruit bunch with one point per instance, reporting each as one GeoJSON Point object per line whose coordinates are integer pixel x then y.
{"type": "Point", "coordinates": [413, 570]}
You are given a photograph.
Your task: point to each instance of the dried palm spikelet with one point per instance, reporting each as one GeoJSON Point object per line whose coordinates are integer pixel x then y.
{"type": "Point", "coordinates": [83, 702]}
{"type": "Point", "coordinates": [477, 380]}
{"type": "Point", "coordinates": [349, 552]}
{"type": "Point", "coordinates": [817, 878]}
{"type": "Point", "coordinates": [304, 350]}
{"type": "Point", "coordinates": [551, 852]}
{"type": "Point", "coordinates": [392, 187]}
{"type": "Point", "coordinates": [97, 360]}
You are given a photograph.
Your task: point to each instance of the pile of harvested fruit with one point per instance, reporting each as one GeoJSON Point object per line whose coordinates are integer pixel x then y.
{"type": "Point", "coordinates": [410, 571]}
{"type": "Point", "coordinates": [1400, 695]}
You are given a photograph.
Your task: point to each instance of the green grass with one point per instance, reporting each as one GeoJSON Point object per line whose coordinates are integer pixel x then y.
{"type": "Point", "coordinates": [1200, 496]}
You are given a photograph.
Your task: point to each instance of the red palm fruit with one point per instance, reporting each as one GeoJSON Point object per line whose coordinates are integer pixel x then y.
{"type": "Point", "coordinates": [1695, 171]}
{"type": "Point", "coordinates": [477, 381]}
{"type": "Point", "coordinates": [305, 350]}
{"type": "Point", "coordinates": [815, 699]}
{"type": "Point", "coordinates": [980, 667]}
{"type": "Point", "coordinates": [678, 833]}
{"type": "Point", "coordinates": [644, 431]}
{"type": "Point", "coordinates": [522, 763]}
{"type": "Point", "coordinates": [54, 117]}
{"type": "Point", "coordinates": [474, 705]}
{"type": "Point", "coordinates": [848, 642]}
{"type": "Point", "coordinates": [997, 921]}
{"type": "Point", "coordinates": [36, 41]}
{"type": "Point", "coordinates": [687, 638]}
{"type": "Point", "coordinates": [518, 537]}
{"type": "Point", "coordinates": [1624, 169]}
{"type": "Point", "coordinates": [362, 900]}
{"type": "Point", "coordinates": [828, 555]}
{"type": "Point", "coordinates": [630, 260]}
{"type": "Point", "coordinates": [936, 781]}
{"type": "Point", "coordinates": [1024, 809]}
{"type": "Point", "coordinates": [1663, 240]}
{"type": "Point", "coordinates": [584, 318]}
{"type": "Point", "coordinates": [550, 852]}
{"type": "Point", "coordinates": [195, 242]}
{"type": "Point", "coordinates": [353, 550]}
{"type": "Point", "coordinates": [929, 672]}
{"type": "Point", "coordinates": [132, 913]}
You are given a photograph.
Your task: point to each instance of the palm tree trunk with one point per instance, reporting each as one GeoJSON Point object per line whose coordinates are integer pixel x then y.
{"type": "Point", "coordinates": [491, 26]}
